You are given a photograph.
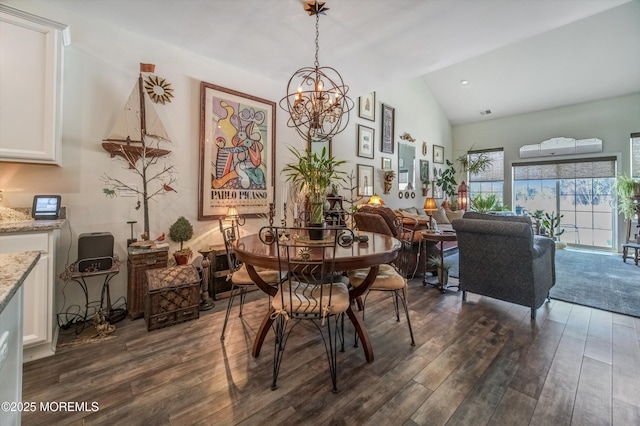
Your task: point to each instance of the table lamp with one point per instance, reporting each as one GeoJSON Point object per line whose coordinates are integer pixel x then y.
{"type": "Point", "coordinates": [429, 207]}
{"type": "Point", "coordinates": [375, 200]}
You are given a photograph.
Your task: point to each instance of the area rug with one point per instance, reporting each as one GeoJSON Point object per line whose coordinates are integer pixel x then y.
{"type": "Point", "coordinates": [598, 280]}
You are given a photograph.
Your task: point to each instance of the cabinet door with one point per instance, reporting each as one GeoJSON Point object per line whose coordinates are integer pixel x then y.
{"type": "Point", "coordinates": [38, 286]}
{"type": "Point", "coordinates": [31, 87]}
{"type": "Point", "coordinates": [36, 327]}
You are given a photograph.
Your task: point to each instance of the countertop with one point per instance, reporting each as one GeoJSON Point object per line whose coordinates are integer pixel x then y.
{"type": "Point", "coordinates": [7, 227]}
{"type": "Point", "coordinates": [14, 268]}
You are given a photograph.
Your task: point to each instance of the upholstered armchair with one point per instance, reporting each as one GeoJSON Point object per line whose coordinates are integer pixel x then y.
{"type": "Point", "coordinates": [501, 258]}
{"type": "Point", "coordinates": [384, 221]}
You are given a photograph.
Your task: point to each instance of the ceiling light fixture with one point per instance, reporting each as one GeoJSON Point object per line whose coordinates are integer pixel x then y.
{"type": "Point", "coordinates": [317, 100]}
{"type": "Point", "coordinates": [464, 82]}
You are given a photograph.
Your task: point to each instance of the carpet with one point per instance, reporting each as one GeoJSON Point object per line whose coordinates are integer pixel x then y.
{"type": "Point", "coordinates": [598, 280]}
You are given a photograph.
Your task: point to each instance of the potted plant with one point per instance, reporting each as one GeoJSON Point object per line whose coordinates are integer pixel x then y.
{"type": "Point", "coordinates": [180, 232]}
{"type": "Point", "coordinates": [314, 173]}
{"type": "Point", "coordinates": [551, 223]}
{"type": "Point", "coordinates": [442, 268]}
{"type": "Point", "coordinates": [447, 181]}
{"type": "Point", "coordinates": [537, 216]}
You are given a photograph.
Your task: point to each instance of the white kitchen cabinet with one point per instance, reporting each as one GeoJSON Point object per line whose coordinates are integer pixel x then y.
{"type": "Point", "coordinates": [31, 65]}
{"type": "Point", "coordinates": [39, 318]}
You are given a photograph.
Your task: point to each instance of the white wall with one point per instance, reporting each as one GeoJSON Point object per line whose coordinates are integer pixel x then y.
{"type": "Point", "coordinates": [101, 67]}
{"type": "Point", "coordinates": [611, 120]}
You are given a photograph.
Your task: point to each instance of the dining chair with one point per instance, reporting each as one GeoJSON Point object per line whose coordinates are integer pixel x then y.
{"type": "Point", "coordinates": [312, 291]}
{"type": "Point", "coordinates": [390, 278]}
{"type": "Point", "coordinates": [240, 279]}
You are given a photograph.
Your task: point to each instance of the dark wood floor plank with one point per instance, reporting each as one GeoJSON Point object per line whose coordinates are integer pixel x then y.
{"type": "Point", "coordinates": [515, 408]}
{"type": "Point", "coordinates": [593, 404]}
{"type": "Point", "coordinates": [626, 364]}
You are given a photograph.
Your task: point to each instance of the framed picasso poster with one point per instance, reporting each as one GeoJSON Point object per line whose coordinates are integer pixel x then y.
{"type": "Point", "coordinates": [237, 153]}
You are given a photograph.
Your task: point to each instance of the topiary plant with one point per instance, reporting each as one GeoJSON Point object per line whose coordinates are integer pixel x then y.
{"type": "Point", "coordinates": [181, 231]}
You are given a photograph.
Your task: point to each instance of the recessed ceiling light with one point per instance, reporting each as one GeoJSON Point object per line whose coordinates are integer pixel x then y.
{"type": "Point", "coordinates": [464, 82]}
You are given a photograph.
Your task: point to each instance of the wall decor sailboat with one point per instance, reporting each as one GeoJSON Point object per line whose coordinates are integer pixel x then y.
{"type": "Point", "coordinates": [138, 132]}
{"type": "Point", "coordinates": [136, 138]}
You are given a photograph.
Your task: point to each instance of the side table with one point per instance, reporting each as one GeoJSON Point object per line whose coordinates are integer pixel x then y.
{"type": "Point", "coordinates": [438, 237]}
{"type": "Point", "coordinates": [139, 261]}
{"type": "Point", "coordinates": [625, 249]}
{"type": "Point", "coordinates": [112, 315]}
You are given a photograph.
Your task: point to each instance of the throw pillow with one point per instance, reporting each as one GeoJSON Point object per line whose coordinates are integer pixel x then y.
{"type": "Point", "coordinates": [411, 210]}
{"type": "Point", "coordinates": [452, 215]}
{"type": "Point", "coordinates": [440, 217]}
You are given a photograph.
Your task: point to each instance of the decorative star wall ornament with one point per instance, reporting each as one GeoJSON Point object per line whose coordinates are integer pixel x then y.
{"type": "Point", "coordinates": [158, 89]}
{"type": "Point", "coordinates": [315, 7]}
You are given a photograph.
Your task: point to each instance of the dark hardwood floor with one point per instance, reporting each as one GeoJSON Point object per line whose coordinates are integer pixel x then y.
{"type": "Point", "coordinates": [474, 363]}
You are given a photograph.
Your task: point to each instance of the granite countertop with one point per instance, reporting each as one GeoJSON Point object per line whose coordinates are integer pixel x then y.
{"type": "Point", "coordinates": [14, 270]}
{"type": "Point", "coordinates": [18, 219]}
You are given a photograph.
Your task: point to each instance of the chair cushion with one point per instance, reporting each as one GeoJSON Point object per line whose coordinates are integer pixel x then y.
{"type": "Point", "coordinates": [241, 276]}
{"type": "Point", "coordinates": [387, 278]}
{"type": "Point", "coordinates": [306, 299]}
{"type": "Point", "coordinates": [387, 214]}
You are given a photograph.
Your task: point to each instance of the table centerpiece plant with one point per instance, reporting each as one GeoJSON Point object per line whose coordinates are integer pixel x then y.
{"type": "Point", "coordinates": [179, 232]}
{"type": "Point", "coordinates": [314, 173]}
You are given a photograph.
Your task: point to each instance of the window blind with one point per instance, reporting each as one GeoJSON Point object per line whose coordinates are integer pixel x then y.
{"type": "Point", "coordinates": [635, 155]}
{"type": "Point", "coordinates": [493, 173]}
{"type": "Point", "coordinates": [604, 167]}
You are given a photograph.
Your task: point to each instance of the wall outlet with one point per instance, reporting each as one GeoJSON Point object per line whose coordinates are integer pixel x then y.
{"type": "Point", "coordinates": [4, 348]}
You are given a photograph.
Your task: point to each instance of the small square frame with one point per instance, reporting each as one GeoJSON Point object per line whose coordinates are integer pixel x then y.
{"type": "Point", "coordinates": [438, 154]}
{"type": "Point", "coordinates": [386, 163]}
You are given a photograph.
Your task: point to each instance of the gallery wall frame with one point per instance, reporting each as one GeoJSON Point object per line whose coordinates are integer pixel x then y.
{"type": "Point", "coordinates": [367, 106]}
{"type": "Point", "coordinates": [424, 171]}
{"type": "Point", "coordinates": [366, 140]}
{"type": "Point", "coordinates": [365, 179]}
{"type": "Point", "coordinates": [438, 154]}
{"type": "Point", "coordinates": [388, 123]}
{"type": "Point", "coordinates": [233, 172]}
{"type": "Point", "coordinates": [386, 163]}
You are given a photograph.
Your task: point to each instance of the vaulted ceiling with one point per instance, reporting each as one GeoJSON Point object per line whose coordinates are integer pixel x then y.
{"type": "Point", "coordinates": [518, 56]}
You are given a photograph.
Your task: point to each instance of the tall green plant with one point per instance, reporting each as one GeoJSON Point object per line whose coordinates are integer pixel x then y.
{"type": "Point", "coordinates": [551, 223]}
{"type": "Point", "coordinates": [447, 180]}
{"type": "Point", "coordinates": [314, 173]}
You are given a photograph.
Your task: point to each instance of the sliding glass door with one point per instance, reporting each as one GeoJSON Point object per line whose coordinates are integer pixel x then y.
{"type": "Point", "coordinates": [581, 190]}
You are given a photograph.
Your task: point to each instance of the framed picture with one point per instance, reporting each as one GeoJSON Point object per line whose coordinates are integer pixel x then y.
{"type": "Point", "coordinates": [365, 179]}
{"type": "Point", "coordinates": [438, 154]}
{"type": "Point", "coordinates": [386, 163]}
{"type": "Point", "coordinates": [365, 141]}
{"type": "Point", "coordinates": [388, 118]}
{"type": "Point", "coordinates": [316, 147]}
{"type": "Point", "coordinates": [424, 170]}
{"type": "Point", "coordinates": [367, 106]}
{"type": "Point", "coordinates": [232, 173]}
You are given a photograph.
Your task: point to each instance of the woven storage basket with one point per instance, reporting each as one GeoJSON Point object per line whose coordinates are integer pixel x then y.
{"type": "Point", "coordinates": [173, 296]}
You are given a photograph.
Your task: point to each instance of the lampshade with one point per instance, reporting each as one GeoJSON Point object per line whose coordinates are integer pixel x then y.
{"type": "Point", "coordinates": [232, 213]}
{"type": "Point", "coordinates": [430, 204]}
{"type": "Point", "coordinates": [316, 99]}
{"type": "Point", "coordinates": [463, 196]}
{"type": "Point", "coordinates": [375, 200]}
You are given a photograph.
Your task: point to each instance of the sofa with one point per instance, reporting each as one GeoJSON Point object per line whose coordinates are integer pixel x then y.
{"type": "Point", "coordinates": [500, 257]}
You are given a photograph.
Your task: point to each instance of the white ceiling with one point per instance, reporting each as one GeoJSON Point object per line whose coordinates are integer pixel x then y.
{"type": "Point", "coordinates": [518, 56]}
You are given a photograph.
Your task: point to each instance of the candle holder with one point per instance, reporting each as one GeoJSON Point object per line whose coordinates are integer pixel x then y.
{"type": "Point", "coordinates": [206, 302]}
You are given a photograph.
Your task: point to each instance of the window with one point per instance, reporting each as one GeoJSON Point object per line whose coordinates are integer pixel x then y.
{"type": "Point", "coordinates": [635, 155]}
{"type": "Point", "coordinates": [491, 180]}
{"type": "Point", "coordinates": [581, 190]}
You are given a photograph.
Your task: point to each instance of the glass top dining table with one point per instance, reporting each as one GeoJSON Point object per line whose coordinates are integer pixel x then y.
{"type": "Point", "coordinates": [379, 249]}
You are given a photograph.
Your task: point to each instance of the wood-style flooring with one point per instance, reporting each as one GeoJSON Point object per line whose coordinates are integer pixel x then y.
{"type": "Point", "coordinates": [481, 362]}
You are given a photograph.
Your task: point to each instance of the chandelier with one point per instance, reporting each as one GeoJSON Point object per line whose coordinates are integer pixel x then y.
{"type": "Point", "coordinates": [317, 100]}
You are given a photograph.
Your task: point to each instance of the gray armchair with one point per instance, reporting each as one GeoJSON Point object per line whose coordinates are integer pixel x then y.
{"type": "Point", "coordinates": [501, 258]}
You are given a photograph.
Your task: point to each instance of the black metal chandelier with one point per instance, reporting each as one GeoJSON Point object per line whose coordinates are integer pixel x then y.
{"type": "Point", "coordinates": [317, 100]}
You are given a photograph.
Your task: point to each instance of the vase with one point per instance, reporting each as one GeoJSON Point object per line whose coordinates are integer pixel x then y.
{"type": "Point", "coordinates": [316, 231]}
